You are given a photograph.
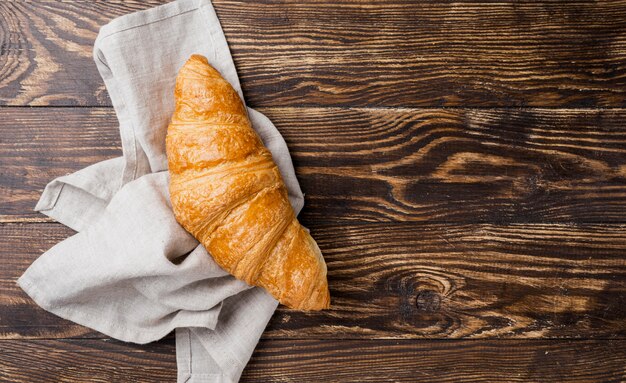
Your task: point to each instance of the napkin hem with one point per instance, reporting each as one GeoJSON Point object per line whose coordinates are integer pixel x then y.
{"type": "Point", "coordinates": [221, 358]}
{"type": "Point", "coordinates": [49, 198]}
{"type": "Point", "coordinates": [184, 355]}
{"type": "Point", "coordinates": [52, 205]}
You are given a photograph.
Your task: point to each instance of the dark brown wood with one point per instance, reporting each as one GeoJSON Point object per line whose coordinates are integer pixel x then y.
{"type": "Point", "coordinates": [331, 361]}
{"type": "Point", "coordinates": [408, 280]}
{"type": "Point", "coordinates": [507, 225]}
{"type": "Point", "coordinates": [438, 361]}
{"type": "Point", "coordinates": [349, 53]}
{"type": "Point", "coordinates": [461, 165]}
{"type": "Point", "coordinates": [102, 361]}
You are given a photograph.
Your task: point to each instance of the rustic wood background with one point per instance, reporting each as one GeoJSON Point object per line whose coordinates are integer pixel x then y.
{"type": "Point", "coordinates": [465, 174]}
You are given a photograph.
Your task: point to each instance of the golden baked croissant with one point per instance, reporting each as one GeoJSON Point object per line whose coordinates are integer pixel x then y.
{"type": "Point", "coordinates": [228, 193]}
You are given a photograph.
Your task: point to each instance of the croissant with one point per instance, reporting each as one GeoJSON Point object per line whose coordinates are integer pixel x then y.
{"type": "Point", "coordinates": [228, 193]}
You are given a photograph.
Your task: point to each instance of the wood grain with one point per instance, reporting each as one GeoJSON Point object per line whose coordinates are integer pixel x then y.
{"type": "Point", "coordinates": [378, 165]}
{"type": "Point", "coordinates": [478, 219]}
{"type": "Point", "coordinates": [408, 280]}
{"type": "Point", "coordinates": [101, 361]}
{"type": "Point", "coordinates": [438, 361]}
{"type": "Point", "coordinates": [347, 53]}
{"type": "Point", "coordinates": [328, 361]}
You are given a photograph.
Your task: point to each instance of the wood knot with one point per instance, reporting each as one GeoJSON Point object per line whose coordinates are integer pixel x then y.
{"type": "Point", "coordinates": [428, 301]}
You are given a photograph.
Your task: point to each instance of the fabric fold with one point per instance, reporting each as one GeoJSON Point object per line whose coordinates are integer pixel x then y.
{"type": "Point", "coordinates": [118, 276]}
{"type": "Point", "coordinates": [131, 271]}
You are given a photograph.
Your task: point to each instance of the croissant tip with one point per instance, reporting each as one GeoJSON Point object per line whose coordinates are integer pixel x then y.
{"type": "Point", "coordinates": [198, 57]}
{"type": "Point", "coordinates": [312, 304]}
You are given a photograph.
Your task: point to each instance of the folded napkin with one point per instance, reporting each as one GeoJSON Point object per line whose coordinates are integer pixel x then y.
{"type": "Point", "coordinates": [132, 272]}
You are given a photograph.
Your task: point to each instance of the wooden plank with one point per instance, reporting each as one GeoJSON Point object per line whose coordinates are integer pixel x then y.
{"type": "Point", "coordinates": [328, 361]}
{"type": "Point", "coordinates": [461, 165]}
{"type": "Point", "coordinates": [55, 142]}
{"type": "Point", "coordinates": [62, 361]}
{"type": "Point", "coordinates": [408, 280]}
{"type": "Point", "coordinates": [346, 53]}
{"type": "Point", "coordinates": [438, 361]}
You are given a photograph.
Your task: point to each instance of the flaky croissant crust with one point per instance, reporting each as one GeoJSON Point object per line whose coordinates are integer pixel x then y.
{"type": "Point", "coordinates": [228, 193]}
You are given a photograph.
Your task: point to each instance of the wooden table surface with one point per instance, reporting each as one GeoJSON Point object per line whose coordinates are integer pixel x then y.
{"type": "Point", "coordinates": [464, 166]}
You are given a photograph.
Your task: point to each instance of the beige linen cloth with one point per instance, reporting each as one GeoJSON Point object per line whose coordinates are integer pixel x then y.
{"type": "Point", "coordinates": [132, 272]}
